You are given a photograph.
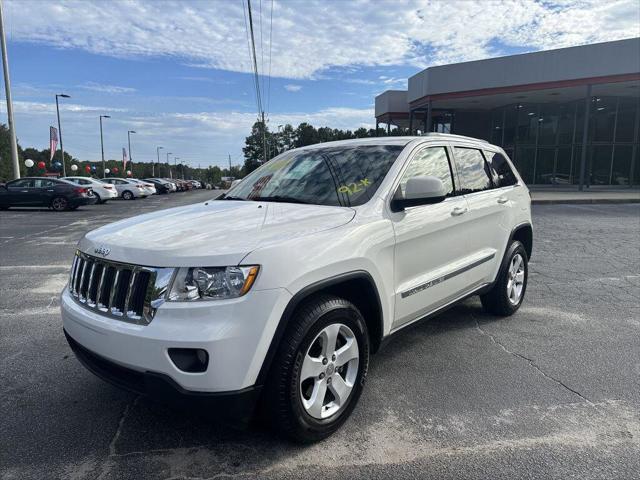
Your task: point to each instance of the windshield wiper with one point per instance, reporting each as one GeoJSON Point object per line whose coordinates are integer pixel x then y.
{"type": "Point", "coordinates": [231, 197]}
{"type": "Point", "coordinates": [279, 198]}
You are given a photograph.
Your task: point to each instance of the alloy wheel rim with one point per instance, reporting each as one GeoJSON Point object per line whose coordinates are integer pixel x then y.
{"type": "Point", "coordinates": [58, 204]}
{"type": "Point", "coordinates": [515, 279]}
{"type": "Point", "coordinates": [329, 371]}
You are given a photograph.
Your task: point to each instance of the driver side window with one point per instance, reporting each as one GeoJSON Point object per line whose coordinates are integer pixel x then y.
{"type": "Point", "coordinates": [433, 161]}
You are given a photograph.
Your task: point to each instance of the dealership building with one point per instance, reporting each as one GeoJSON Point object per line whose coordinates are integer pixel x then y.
{"type": "Point", "coordinates": [569, 116]}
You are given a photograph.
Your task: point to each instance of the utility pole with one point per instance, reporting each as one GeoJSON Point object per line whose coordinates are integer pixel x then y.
{"type": "Point", "coordinates": [64, 167]}
{"type": "Point", "coordinates": [102, 142]}
{"type": "Point", "coordinates": [229, 164]}
{"type": "Point", "coordinates": [175, 165]}
{"type": "Point", "coordinates": [7, 89]}
{"type": "Point", "coordinates": [153, 167]}
{"type": "Point", "coordinates": [129, 132]}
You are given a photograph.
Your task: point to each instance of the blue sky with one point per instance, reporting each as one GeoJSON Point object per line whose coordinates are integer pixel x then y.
{"type": "Point", "coordinates": [179, 72]}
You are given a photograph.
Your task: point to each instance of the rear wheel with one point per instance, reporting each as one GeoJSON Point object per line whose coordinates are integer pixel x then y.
{"type": "Point", "coordinates": [59, 204]}
{"type": "Point", "coordinates": [98, 198]}
{"type": "Point", "coordinates": [507, 294]}
{"type": "Point", "coordinates": [127, 195]}
{"type": "Point", "coordinates": [319, 371]}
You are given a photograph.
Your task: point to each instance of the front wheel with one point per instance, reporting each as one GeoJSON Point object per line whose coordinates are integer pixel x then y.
{"type": "Point", "coordinates": [507, 294]}
{"type": "Point", "coordinates": [98, 199]}
{"type": "Point", "coordinates": [319, 371]}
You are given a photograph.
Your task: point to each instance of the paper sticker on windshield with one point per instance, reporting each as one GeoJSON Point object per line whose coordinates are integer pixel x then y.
{"type": "Point", "coordinates": [354, 187]}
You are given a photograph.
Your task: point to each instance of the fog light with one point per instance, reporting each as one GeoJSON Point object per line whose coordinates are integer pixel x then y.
{"type": "Point", "coordinates": [191, 360]}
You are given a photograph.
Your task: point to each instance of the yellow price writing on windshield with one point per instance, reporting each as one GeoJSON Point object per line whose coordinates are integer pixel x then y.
{"type": "Point", "coordinates": [354, 187]}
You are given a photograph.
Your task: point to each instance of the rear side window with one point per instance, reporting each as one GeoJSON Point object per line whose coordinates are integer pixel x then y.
{"type": "Point", "coordinates": [473, 171]}
{"type": "Point", "coordinates": [503, 175]}
{"type": "Point", "coordinates": [43, 183]}
{"type": "Point", "coordinates": [432, 161]}
{"type": "Point", "coordinates": [22, 183]}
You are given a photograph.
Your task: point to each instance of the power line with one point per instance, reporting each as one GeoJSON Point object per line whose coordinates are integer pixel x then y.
{"type": "Point", "coordinates": [257, 81]}
{"type": "Point", "coordinates": [269, 75]}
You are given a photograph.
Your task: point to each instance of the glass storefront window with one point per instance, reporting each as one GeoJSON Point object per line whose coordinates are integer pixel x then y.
{"type": "Point", "coordinates": [525, 162]}
{"type": "Point", "coordinates": [527, 124]}
{"type": "Point", "coordinates": [621, 169]}
{"type": "Point", "coordinates": [548, 124]}
{"type": "Point", "coordinates": [510, 123]}
{"type": "Point", "coordinates": [600, 164]}
{"type": "Point", "coordinates": [564, 171]}
{"type": "Point", "coordinates": [603, 116]}
{"type": "Point", "coordinates": [627, 111]}
{"type": "Point", "coordinates": [545, 166]}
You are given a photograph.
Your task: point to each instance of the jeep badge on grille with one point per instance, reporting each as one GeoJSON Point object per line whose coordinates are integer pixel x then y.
{"type": "Point", "coordinates": [102, 250]}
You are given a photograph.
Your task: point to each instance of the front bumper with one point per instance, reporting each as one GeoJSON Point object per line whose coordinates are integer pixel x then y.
{"type": "Point", "coordinates": [235, 407]}
{"type": "Point", "coordinates": [235, 333]}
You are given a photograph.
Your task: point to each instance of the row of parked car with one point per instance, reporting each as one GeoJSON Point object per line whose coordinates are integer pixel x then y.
{"type": "Point", "coordinates": [69, 193]}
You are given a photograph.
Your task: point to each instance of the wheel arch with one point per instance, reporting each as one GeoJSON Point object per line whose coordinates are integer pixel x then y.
{"type": "Point", "coordinates": [524, 234]}
{"type": "Point", "coordinates": [358, 287]}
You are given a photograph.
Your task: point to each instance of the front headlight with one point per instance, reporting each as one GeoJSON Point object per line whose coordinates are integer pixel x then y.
{"type": "Point", "coordinates": [211, 283]}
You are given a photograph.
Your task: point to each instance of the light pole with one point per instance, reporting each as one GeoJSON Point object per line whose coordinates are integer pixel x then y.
{"type": "Point", "coordinates": [175, 164]}
{"type": "Point", "coordinates": [7, 89]}
{"type": "Point", "coordinates": [64, 167]}
{"type": "Point", "coordinates": [102, 142]}
{"type": "Point", "coordinates": [168, 164]}
{"type": "Point", "coordinates": [153, 168]}
{"type": "Point", "coordinates": [129, 132]}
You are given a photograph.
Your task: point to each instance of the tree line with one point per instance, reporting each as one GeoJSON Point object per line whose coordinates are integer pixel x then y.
{"type": "Point", "coordinates": [263, 144]}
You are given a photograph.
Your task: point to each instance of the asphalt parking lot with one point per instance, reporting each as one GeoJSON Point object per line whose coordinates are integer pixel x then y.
{"type": "Point", "coordinates": [552, 392]}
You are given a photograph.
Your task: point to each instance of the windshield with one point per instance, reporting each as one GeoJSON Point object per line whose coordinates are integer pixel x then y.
{"type": "Point", "coordinates": [338, 176]}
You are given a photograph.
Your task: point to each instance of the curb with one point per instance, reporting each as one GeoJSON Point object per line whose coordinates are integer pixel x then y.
{"type": "Point", "coordinates": [584, 201]}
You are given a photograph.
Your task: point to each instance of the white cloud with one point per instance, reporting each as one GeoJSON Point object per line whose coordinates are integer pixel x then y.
{"type": "Point", "coordinates": [396, 32]}
{"type": "Point", "coordinates": [292, 88]}
{"type": "Point", "coordinates": [112, 89]}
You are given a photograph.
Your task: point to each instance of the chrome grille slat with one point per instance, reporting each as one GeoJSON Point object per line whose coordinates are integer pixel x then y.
{"type": "Point", "coordinates": [130, 293]}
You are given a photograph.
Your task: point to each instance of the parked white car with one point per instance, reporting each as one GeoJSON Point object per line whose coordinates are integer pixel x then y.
{"type": "Point", "coordinates": [103, 191]}
{"type": "Point", "coordinates": [281, 289]}
{"type": "Point", "coordinates": [127, 188]}
{"type": "Point", "coordinates": [148, 186]}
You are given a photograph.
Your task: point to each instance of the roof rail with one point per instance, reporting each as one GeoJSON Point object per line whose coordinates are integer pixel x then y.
{"type": "Point", "coordinates": [452, 136]}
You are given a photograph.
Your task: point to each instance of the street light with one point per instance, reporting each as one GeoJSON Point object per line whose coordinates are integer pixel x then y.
{"type": "Point", "coordinates": [129, 132]}
{"type": "Point", "coordinates": [153, 167]}
{"type": "Point", "coordinates": [102, 142]}
{"type": "Point", "coordinates": [175, 164]}
{"type": "Point", "coordinates": [64, 167]}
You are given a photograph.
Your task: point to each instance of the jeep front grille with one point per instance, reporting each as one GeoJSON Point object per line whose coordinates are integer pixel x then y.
{"type": "Point", "coordinates": [127, 292]}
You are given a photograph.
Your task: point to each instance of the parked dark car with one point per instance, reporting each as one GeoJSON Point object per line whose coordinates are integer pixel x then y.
{"type": "Point", "coordinates": [54, 193]}
{"type": "Point", "coordinates": [162, 186]}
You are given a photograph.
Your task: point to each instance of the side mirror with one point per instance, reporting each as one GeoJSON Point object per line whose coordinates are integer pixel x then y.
{"type": "Point", "coordinates": [422, 190]}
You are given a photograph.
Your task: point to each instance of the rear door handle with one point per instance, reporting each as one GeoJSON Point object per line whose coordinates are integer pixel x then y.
{"type": "Point", "coordinates": [50, 190]}
{"type": "Point", "coordinates": [458, 211]}
{"type": "Point", "coordinates": [503, 199]}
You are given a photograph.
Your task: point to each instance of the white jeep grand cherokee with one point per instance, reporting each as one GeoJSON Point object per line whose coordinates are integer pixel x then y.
{"type": "Point", "coordinates": [277, 292]}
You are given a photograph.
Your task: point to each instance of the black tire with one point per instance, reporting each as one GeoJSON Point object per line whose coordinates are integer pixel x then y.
{"type": "Point", "coordinates": [497, 300]}
{"type": "Point", "coordinates": [283, 396]}
{"type": "Point", "coordinates": [99, 200]}
{"type": "Point", "coordinates": [59, 204]}
{"type": "Point", "coordinates": [4, 207]}
{"type": "Point", "coordinates": [127, 195]}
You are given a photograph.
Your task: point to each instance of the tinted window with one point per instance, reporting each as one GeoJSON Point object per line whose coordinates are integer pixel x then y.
{"type": "Point", "coordinates": [43, 183]}
{"type": "Point", "coordinates": [473, 171]}
{"type": "Point", "coordinates": [345, 176]}
{"type": "Point", "coordinates": [432, 161]}
{"type": "Point", "coordinates": [22, 183]}
{"type": "Point", "coordinates": [503, 176]}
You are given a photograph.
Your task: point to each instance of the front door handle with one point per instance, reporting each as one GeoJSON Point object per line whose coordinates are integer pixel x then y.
{"type": "Point", "coordinates": [503, 199]}
{"type": "Point", "coordinates": [458, 211]}
{"type": "Point", "coordinates": [50, 190]}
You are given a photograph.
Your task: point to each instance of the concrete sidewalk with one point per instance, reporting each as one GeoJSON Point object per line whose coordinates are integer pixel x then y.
{"type": "Point", "coordinates": [589, 195]}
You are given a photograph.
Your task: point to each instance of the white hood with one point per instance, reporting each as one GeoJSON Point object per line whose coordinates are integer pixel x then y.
{"type": "Point", "coordinates": [215, 233]}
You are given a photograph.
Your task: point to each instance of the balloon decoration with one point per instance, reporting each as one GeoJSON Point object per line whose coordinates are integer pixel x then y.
{"type": "Point", "coordinates": [41, 165]}
{"type": "Point", "coordinates": [57, 165]}
{"type": "Point", "coordinates": [28, 163]}
{"type": "Point", "coordinates": [128, 173]}
{"type": "Point", "coordinates": [106, 171]}
{"type": "Point", "coordinates": [115, 169]}
{"type": "Point", "coordinates": [74, 167]}
{"type": "Point", "coordinates": [87, 169]}
{"type": "Point", "coordinates": [93, 168]}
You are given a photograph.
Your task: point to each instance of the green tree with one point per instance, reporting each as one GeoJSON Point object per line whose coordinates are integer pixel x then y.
{"type": "Point", "coordinates": [253, 150]}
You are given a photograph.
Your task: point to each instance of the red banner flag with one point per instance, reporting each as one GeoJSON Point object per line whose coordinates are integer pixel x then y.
{"type": "Point", "coordinates": [53, 142]}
